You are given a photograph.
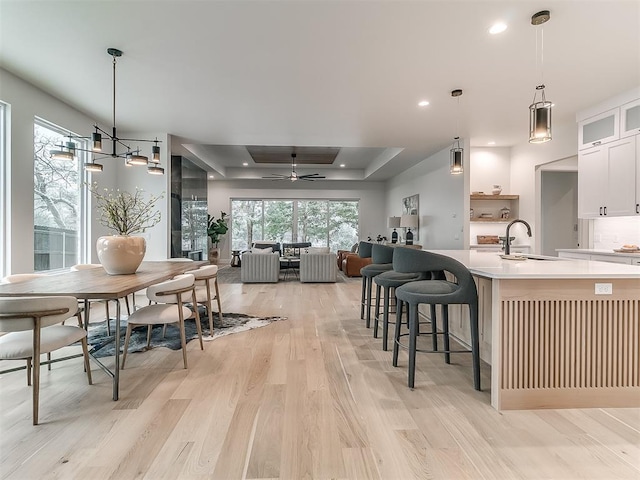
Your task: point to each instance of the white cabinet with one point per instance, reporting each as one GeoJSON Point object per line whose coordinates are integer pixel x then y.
{"type": "Point", "coordinates": [630, 119]}
{"type": "Point", "coordinates": [574, 255]}
{"type": "Point", "coordinates": [637, 208]}
{"type": "Point", "coordinates": [599, 129]}
{"type": "Point", "coordinates": [610, 259]}
{"type": "Point", "coordinates": [602, 257]}
{"type": "Point", "coordinates": [607, 179]}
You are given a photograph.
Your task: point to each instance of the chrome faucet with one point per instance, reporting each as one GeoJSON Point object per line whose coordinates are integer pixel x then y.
{"type": "Point", "coordinates": [507, 242]}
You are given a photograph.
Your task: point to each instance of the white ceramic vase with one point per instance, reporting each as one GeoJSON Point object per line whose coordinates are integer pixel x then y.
{"type": "Point", "coordinates": [121, 254]}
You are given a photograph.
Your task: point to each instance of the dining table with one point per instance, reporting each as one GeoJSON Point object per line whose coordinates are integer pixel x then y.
{"type": "Point", "coordinates": [97, 284]}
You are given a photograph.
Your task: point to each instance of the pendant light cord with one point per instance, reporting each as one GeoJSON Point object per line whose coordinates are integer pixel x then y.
{"type": "Point", "coordinates": [114, 95]}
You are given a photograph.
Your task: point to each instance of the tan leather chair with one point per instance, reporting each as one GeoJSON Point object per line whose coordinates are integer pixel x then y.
{"type": "Point", "coordinates": [352, 263]}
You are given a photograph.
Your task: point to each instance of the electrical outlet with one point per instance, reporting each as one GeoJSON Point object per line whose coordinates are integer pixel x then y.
{"type": "Point", "coordinates": [604, 289]}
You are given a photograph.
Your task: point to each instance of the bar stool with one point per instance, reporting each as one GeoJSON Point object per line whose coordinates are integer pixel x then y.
{"type": "Point", "coordinates": [364, 251]}
{"type": "Point", "coordinates": [382, 261]}
{"type": "Point", "coordinates": [389, 281]}
{"type": "Point", "coordinates": [433, 292]}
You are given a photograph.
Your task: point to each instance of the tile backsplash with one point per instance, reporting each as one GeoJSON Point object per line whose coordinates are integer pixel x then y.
{"type": "Point", "coordinates": [610, 233]}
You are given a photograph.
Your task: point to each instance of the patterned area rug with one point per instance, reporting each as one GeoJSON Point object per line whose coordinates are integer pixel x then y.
{"type": "Point", "coordinates": [231, 323]}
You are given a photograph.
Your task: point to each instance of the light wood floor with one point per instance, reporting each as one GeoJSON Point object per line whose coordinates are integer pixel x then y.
{"type": "Point", "coordinates": [313, 396]}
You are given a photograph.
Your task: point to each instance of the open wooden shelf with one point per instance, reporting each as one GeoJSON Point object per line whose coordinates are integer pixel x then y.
{"type": "Point", "coordinates": [490, 220]}
{"type": "Point", "coordinates": [495, 197]}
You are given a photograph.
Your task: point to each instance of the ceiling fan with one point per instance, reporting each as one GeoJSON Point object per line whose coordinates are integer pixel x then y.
{"type": "Point", "coordinates": [294, 176]}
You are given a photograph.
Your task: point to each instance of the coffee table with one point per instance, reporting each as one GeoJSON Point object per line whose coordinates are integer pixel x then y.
{"type": "Point", "coordinates": [291, 265]}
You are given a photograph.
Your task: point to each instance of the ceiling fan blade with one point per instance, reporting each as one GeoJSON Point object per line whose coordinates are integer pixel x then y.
{"type": "Point", "coordinates": [275, 176]}
{"type": "Point", "coordinates": [311, 176]}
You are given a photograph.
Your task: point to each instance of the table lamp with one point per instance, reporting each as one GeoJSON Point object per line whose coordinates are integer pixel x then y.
{"type": "Point", "coordinates": [409, 222]}
{"type": "Point", "coordinates": [394, 222]}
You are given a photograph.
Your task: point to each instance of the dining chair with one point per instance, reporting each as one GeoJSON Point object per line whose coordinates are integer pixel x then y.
{"type": "Point", "coordinates": [21, 277]}
{"type": "Point", "coordinates": [205, 278]}
{"type": "Point", "coordinates": [89, 266]}
{"type": "Point", "coordinates": [25, 277]}
{"type": "Point", "coordinates": [32, 327]}
{"type": "Point", "coordinates": [170, 295]}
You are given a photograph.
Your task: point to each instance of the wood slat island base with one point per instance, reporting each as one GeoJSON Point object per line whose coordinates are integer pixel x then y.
{"type": "Point", "coordinates": [552, 342]}
{"type": "Point", "coordinates": [563, 346]}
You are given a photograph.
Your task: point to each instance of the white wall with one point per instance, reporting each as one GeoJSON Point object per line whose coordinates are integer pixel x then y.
{"type": "Point", "coordinates": [130, 178]}
{"type": "Point", "coordinates": [444, 200]}
{"type": "Point", "coordinates": [490, 166]}
{"type": "Point", "coordinates": [371, 196]}
{"type": "Point", "coordinates": [524, 159]}
{"type": "Point", "coordinates": [610, 233]}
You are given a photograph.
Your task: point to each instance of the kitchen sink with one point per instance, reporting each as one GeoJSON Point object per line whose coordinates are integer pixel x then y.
{"type": "Point", "coordinates": [539, 257]}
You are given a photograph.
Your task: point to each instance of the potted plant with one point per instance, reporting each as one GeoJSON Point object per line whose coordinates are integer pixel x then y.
{"type": "Point", "coordinates": [216, 227]}
{"type": "Point", "coordinates": [125, 214]}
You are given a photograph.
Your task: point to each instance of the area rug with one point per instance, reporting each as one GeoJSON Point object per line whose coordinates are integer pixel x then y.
{"type": "Point", "coordinates": [103, 345]}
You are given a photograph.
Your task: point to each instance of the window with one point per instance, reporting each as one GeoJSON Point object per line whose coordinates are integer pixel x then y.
{"type": "Point", "coordinates": [4, 190]}
{"type": "Point", "coordinates": [57, 201]}
{"type": "Point", "coordinates": [332, 223]}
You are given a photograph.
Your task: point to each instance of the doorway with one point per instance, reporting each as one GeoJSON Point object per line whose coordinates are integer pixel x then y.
{"type": "Point", "coordinates": [559, 211]}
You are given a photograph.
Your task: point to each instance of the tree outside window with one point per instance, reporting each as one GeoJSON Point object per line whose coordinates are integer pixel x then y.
{"type": "Point", "coordinates": [332, 223]}
{"type": "Point", "coordinates": [56, 190]}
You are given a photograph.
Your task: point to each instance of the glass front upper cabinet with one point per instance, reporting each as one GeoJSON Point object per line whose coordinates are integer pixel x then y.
{"type": "Point", "coordinates": [630, 119]}
{"type": "Point", "coordinates": [599, 129]}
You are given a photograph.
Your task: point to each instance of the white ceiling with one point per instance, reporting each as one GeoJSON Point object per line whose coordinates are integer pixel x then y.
{"type": "Point", "coordinates": [219, 75]}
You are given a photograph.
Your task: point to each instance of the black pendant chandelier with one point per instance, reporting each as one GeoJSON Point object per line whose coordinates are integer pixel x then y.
{"type": "Point", "coordinates": [540, 109]}
{"type": "Point", "coordinates": [456, 152]}
{"type": "Point", "coordinates": [67, 151]}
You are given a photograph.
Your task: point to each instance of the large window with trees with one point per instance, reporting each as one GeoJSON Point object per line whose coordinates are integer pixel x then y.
{"type": "Point", "coordinates": [4, 200]}
{"type": "Point", "coordinates": [57, 201]}
{"type": "Point", "coordinates": [332, 223]}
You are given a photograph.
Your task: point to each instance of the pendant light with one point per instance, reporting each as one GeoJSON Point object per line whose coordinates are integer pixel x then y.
{"type": "Point", "coordinates": [540, 109]}
{"type": "Point", "coordinates": [68, 150]}
{"type": "Point", "coordinates": [456, 151]}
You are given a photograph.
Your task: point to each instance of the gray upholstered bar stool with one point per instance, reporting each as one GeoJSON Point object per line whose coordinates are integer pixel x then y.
{"type": "Point", "coordinates": [434, 292]}
{"type": "Point", "coordinates": [364, 251]}
{"type": "Point", "coordinates": [382, 261]}
{"type": "Point", "coordinates": [388, 282]}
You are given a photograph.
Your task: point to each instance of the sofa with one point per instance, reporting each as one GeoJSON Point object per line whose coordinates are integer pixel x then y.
{"type": "Point", "coordinates": [318, 267]}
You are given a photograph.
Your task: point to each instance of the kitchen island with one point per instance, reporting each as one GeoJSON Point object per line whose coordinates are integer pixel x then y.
{"type": "Point", "coordinates": [557, 333]}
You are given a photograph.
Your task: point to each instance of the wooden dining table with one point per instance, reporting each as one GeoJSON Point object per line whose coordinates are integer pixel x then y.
{"type": "Point", "coordinates": [96, 284]}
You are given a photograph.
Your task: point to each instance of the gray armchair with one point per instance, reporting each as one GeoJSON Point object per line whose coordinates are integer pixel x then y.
{"type": "Point", "coordinates": [318, 267]}
{"type": "Point", "coordinates": [260, 267]}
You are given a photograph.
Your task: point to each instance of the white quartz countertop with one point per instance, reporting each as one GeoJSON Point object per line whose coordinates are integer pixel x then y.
{"type": "Point", "coordinates": [490, 265]}
{"type": "Point", "coordinates": [595, 251]}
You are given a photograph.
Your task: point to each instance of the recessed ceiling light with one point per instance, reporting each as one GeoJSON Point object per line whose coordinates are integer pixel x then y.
{"type": "Point", "coordinates": [491, 143]}
{"type": "Point", "coordinates": [211, 176]}
{"type": "Point", "coordinates": [423, 103]}
{"type": "Point", "coordinates": [497, 27]}
{"type": "Point", "coordinates": [342, 165]}
{"type": "Point", "coordinates": [244, 164]}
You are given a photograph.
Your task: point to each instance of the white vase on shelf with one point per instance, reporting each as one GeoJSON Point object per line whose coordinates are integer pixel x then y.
{"type": "Point", "coordinates": [496, 190]}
